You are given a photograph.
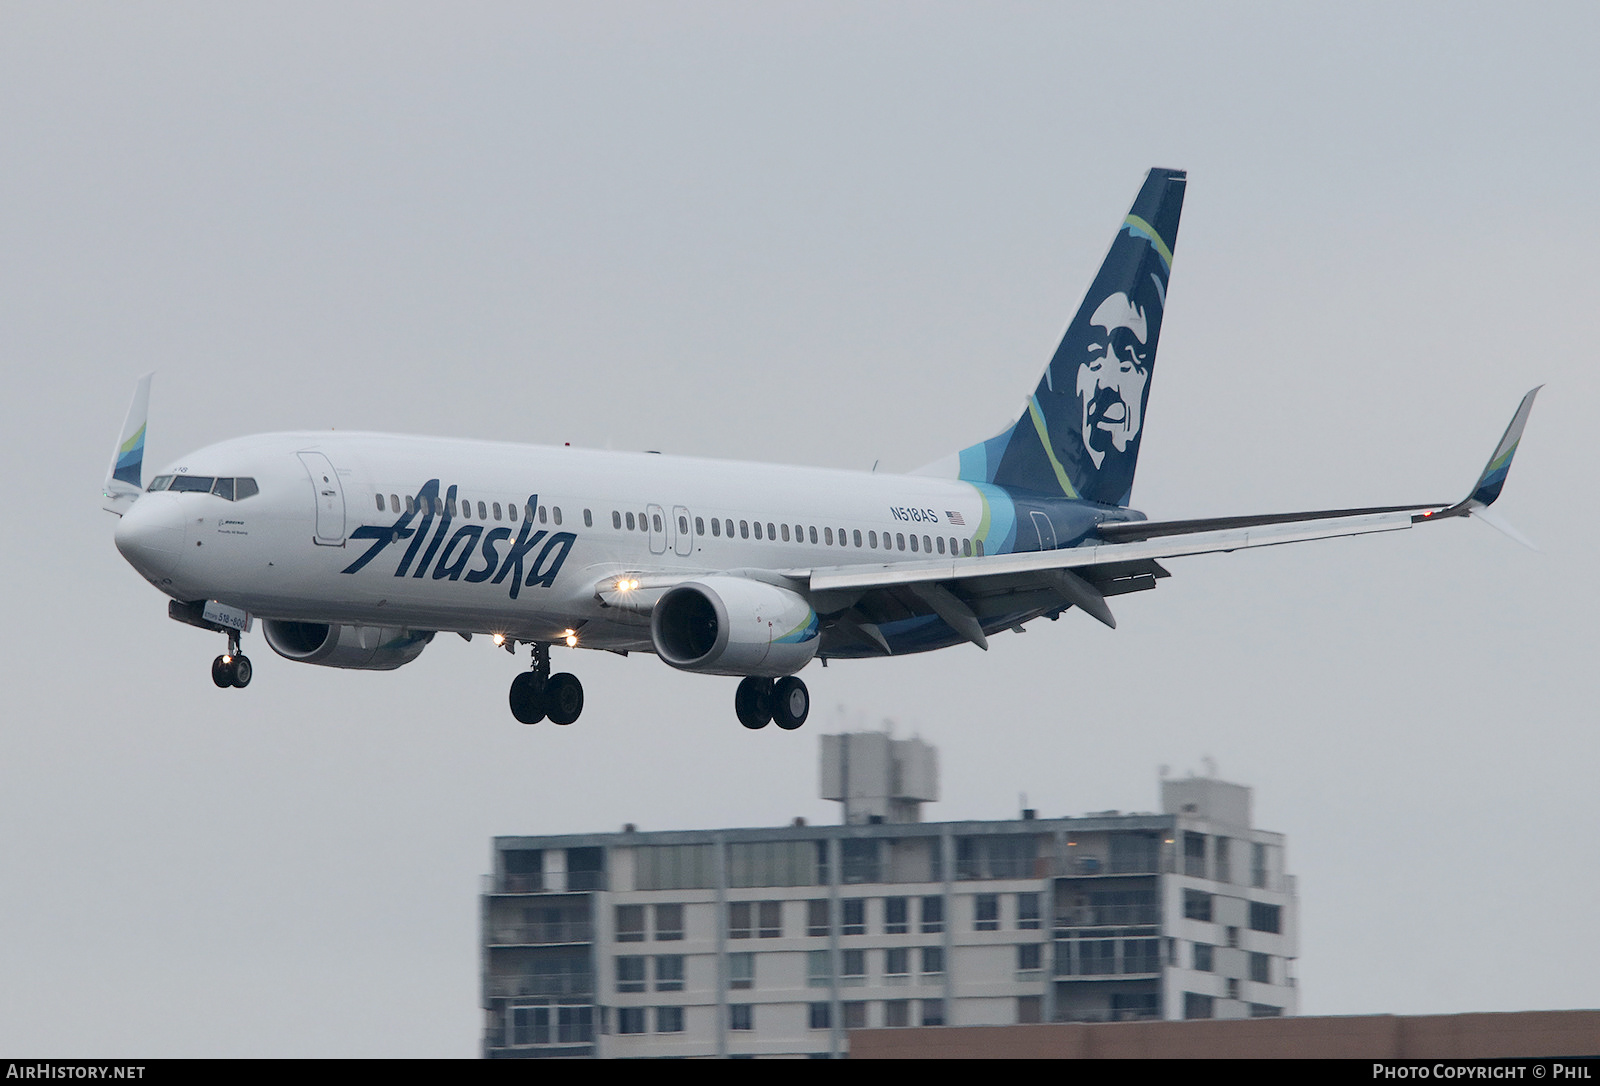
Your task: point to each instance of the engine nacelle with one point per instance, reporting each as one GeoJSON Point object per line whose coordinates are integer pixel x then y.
{"type": "Point", "coordinates": [734, 626]}
{"type": "Point", "coordinates": [365, 648]}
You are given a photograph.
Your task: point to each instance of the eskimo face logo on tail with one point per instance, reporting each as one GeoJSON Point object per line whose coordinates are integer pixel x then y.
{"type": "Point", "coordinates": [1112, 377]}
{"type": "Point", "coordinates": [471, 552]}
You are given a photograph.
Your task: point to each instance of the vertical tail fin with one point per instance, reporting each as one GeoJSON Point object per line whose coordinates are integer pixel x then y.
{"type": "Point", "coordinates": [125, 477]}
{"type": "Point", "coordinates": [1080, 435]}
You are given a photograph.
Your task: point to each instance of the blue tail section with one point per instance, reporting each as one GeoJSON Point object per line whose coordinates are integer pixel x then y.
{"type": "Point", "coordinates": [1080, 435]}
{"type": "Point", "coordinates": [125, 476]}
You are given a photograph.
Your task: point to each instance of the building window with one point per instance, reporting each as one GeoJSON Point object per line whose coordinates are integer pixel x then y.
{"type": "Point", "coordinates": [530, 1025]}
{"type": "Point", "coordinates": [896, 915]}
{"type": "Point", "coordinates": [819, 974]}
{"type": "Point", "coordinates": [669, 972]}
{"type": "Point", "coordinates": [897, 1013]}
{"type": "Point", "coordinates": [1260, 968]}
{"type": "Point", "coordinates": [1030, 1010]}
{"type": "Point", "coordinates": [1202, 957]}
{"type": "Point", "coordinates": [1197, 905]}
{"type": "Point", "coordinates": [853, 968]}
{"type": "Point", "coordinates": [630, 973]}
{"type": "Point", "coordinates": [933, 1012]}
{"type": "Point", "coordinates": [1197, 1006]}
{"type": "Point", "coordinates": [1264, 1010]}
{"type": "Point", "coordinates": [630, 923]}
{"type": "Point", "coordinates": [855, 1015]}
{"type": "Point", "coordinates": [771, 919]}
{"type": "Point", "coordinates": [897, 964]}
{"type": "Point", "coordinates": [855, 916]}
{"type": "Point", "coordinates": [1141, 955]}
{"type": "Point", "coordinates": [821, 1016]}
{"type": "Point", "coordinates": [739, 920]}
{"type": "Point", "coordinates": [1030, 957]}
{"type": "Point", "coordinates": [987, 907]}
{"type": "Point", "coordinates": [860, 859]}
{"type": "Point", "coordinates": [1258, 866]}
{"type": "Point", "coordinates": [669, 923]}
{"type": "Point", "coordinates": [817, 917]}
{"type": "Point", "coordinates": [630, 1019]}
{"type": "Point", "coordinates": [932, 961]}
{"type": "Point", "coordinates": [1135, 1006]}
{"type": "Point", "coordinates": [741, 970]}
{"type": "Point", "coordinates": [1233, 987]}
{"type": "Point", "coordinates": [574, 1025]}
{"type": "Point", "coordinates": [669, 1019]}
{"type": "Point", "coordinates": [932, 915]}
{"type": "Point", "coordinates": [1028, 911]}
{"type": "Point", "coordinates": [1264, 917]}
{"type": "Point", "coordinates": [1224, 860]}
{"type": "Point", "coordinates": [741, 1016]}
{"type": "Point", "coordinates": [1194, 854]}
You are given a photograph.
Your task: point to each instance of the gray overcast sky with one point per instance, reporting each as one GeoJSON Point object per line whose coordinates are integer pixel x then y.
{"type": "Point", "coordinates": [815, 233]}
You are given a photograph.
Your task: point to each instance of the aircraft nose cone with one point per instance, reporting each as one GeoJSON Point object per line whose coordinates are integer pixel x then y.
{"type": "Point", "coordinates": [150, 536]}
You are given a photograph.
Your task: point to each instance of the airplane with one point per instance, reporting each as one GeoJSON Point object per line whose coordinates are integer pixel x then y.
{"type": "Point", "coordinates": [355, 549]}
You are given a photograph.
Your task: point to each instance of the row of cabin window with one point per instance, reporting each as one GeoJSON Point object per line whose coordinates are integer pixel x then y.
{"type": "Point", "coordinates": [643, 523]}
{"type": "Point", "coordinates": [436, 506]}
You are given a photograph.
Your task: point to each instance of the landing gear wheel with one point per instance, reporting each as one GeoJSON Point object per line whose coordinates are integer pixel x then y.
{"type": "Point", "coordinates": [527, 698]}
{"type": "Point", "coordinates": [222, 672]}
{"type": "Point", "coordinates": [242, 671]}
{"type": "Point", "coordinates": [791, 703]}
{"type": "Point", "coordinates": [753, 702]}
{"type": "Point", "coordinates": [563, 698]}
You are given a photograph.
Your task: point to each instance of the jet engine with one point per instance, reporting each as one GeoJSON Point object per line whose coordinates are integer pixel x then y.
{"type": "Point", "coordinates": [734, 626]}
{"type": "Point", "coordinates": [365, 648]}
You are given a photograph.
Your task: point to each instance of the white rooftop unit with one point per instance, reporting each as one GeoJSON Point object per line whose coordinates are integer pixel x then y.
{"type": "Point", "coordinates": [878, 778]}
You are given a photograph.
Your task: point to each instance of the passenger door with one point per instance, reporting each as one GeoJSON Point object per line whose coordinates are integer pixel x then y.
{"type": "Point", "coordinates": [329, 497]}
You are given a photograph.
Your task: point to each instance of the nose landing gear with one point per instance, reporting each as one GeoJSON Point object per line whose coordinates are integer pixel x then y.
{"type": "Point", "coordinates": [536, 694]}
{"type": "Point", "coordinates": [232, 668]}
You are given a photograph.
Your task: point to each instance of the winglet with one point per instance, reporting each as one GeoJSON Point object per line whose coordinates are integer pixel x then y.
{"type": "Point", "coordinates": [125, 477]}
{"type": "Point", "coordinates": [1493, 478]}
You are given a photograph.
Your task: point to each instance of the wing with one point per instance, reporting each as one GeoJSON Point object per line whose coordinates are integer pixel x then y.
{"type": "Point", "coordinates": [871, 606]}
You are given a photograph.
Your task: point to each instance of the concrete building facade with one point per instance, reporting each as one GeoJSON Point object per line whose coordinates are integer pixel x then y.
{"type": "Point", "coordinates": [777, 942]}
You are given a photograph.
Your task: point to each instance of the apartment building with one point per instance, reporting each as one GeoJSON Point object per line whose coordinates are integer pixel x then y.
{"type": "Point", "coordinates": [778, 941]}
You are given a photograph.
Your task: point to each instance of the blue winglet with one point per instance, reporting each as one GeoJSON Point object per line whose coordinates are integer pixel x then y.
{"type": "Point", "coordinates": [1493, 479]}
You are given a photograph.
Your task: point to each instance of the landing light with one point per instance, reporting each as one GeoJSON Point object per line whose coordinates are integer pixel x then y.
{"type": "Point", "coordinates": [571, 638]}
{"type": "Point", "coordinates": [499, 639]}
{"type": "Point", "coordinates": [624, 584]}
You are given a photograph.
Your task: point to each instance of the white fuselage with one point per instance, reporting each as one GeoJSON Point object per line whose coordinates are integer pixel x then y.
{"type": "Point", "coordinates": [434, 534]}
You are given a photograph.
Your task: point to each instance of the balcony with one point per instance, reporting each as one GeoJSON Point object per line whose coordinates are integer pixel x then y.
{"type": "Point", "coordinates": [548, 882]}
{"type": "Point", "coordinates": [542, 934]}
{"type": "Point", "coordinates": [1107, 916]}
{"type": "Point", "coordinates": [540, 984]}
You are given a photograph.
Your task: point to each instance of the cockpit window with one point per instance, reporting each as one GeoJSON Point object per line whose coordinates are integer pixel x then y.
{"type": "Point", "coordinates": [232, 489]}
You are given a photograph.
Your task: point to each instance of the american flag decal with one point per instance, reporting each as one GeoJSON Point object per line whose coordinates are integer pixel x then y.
{"type": "Point", "coordinates": [954, 518]}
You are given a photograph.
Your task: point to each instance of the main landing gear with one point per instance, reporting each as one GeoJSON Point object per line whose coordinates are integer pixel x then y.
{"type": "Point", "coordinates": [785, 702]}
{"type": "Point", "coordinates": [232, 668]}
{"type": "Point", "coordinates": [536, 694]}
